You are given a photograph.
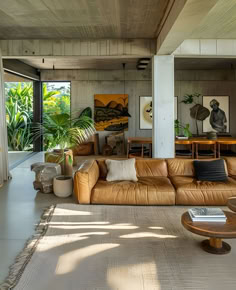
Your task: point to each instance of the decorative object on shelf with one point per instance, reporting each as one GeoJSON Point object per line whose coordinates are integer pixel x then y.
{"type": "Point", "coordinates": [44, 174]}
{"type": "Point", "coordinates": [182, 130]}
{"type": "Point", "coordinates": [117, 143]}
{"type": "Point", "coordinates": [211, 135]}
{"type": "Point", "coordinates": [145, 112]}
{"type": "Point", "coordinates": [106, 150]}
{"type": "Point", "coordinates": [198, 111]}
{"type": "Point", "coordinates": [218, 120]}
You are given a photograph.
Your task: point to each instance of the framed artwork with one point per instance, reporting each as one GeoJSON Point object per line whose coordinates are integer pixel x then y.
{"type": "Point", "coordinates": [218, 121]}
{"type": "Point", "coordinates": [145, 112]}
{"type": "Point", "coordinates": [111, 112]}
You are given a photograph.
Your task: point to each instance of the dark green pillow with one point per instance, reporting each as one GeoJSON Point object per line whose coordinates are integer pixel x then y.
{"type": "Point", "coordinates": [210, 170]}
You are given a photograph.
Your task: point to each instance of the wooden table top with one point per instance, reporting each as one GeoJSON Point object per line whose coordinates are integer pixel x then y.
{"type": "Point", "coordinates": [200, 140]}
{"type": "Point", "coordinates": [204, 140]}
{"type": "Point", "coordinates": [141, 140]}
{"type": "Point", "coordinates": [211, 229]}
{"type": "Point", "coordinates": [232, 203]}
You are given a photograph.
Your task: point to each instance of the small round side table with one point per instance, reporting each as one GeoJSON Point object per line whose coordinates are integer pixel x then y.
{"type": "Point", "coordinates": [232, 203]}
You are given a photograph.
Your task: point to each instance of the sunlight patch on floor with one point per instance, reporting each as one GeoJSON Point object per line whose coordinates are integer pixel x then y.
{"type": "Point", "coordinates": [69, 261]}
{"type": "Point", "coordinates": [146, 235]}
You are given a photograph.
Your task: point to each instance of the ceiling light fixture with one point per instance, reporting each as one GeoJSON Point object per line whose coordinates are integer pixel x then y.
{"type": "Point", "coordinates": [142, 63]}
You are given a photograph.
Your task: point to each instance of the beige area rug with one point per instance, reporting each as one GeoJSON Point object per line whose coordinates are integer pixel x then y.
{"type": "Point", "coordinates": [81, 247]}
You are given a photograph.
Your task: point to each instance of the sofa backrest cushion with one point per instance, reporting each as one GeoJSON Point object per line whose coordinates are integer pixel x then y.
{"type": "Point", "coordinates": [144, 168]}
{"type": "Point", "coordinates": [151, 167]}
{"type": "Point", "coordinates": [231, 165]}
{"type": "Point", "coordinates": [180, 167]}
{"type": "Point", "coordinates": [184, 167]}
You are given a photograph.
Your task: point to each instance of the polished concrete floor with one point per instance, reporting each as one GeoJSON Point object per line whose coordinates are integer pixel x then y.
{"type": "Point", "coordinates": [15, 157]}
{"type": "Point", "coordinates": [20, 210]}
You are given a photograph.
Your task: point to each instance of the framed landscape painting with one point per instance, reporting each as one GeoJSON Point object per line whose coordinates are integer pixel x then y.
{"type": "Point", "coordinates": [111, 112]}
{"type": "Point", "coordinates": [218, 121]}
{"type": "Point", "coordinates": [145, 112]}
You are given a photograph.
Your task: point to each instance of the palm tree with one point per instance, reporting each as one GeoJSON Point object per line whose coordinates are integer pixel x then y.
{"type": "Point", "coordinates": [63, 131]}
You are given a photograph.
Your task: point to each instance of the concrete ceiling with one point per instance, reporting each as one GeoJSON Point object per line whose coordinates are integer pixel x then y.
{"type": "Point", "coordinates": [60, 19]}
{"type": "Point", "coordinates": [116, 63]}
{"type": "Point", "coordinates": [220, 22]}
{"type": "Point", "coordinates": [81, 63]}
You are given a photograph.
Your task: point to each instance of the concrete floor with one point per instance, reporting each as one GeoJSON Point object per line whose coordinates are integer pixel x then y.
{"type": "Point", "coordinates": [15, 157]}
{"type": "Point", "coordinates": [20, 210]}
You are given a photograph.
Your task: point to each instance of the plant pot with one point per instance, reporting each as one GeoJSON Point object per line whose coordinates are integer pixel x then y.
{"type": "Point", "coordinates": [55, 157]}
{"type": "Point", "coordinates": [63, 186]}
{"type": "Point", "coordinates": [211, 135]}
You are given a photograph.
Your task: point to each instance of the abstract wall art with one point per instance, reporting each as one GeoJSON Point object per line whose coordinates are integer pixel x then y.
{"type": "Point", "coordinates": [111, 112]}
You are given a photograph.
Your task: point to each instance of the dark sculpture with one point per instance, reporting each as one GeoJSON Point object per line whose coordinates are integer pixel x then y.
{"type": "Point", "coordinates": [218, 117]}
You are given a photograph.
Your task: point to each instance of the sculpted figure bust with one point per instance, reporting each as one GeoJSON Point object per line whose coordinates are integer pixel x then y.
{"type": "Point", "coordinates": [218, 117]}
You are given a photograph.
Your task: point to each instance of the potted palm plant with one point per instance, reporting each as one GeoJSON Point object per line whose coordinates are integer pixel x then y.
{"type": "Point", "coordinates": [61, 132]}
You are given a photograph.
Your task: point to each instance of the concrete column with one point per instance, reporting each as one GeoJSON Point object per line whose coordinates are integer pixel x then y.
{"type": "Point", "coordinates": [163, 106]}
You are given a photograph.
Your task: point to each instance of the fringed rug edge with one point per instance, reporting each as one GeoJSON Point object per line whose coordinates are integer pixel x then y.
{"type": "Point", "coordinates": [16, 270]}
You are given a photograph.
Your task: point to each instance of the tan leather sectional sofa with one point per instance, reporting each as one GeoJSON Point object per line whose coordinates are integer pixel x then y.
{"type": "Point", "coordinates": [160, 182]}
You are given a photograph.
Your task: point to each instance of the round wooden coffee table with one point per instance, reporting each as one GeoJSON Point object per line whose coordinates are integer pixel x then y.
{"type": "Point", "coordinates": [215, 231]}
{"type": "Point", "coordinates": [232, 203]}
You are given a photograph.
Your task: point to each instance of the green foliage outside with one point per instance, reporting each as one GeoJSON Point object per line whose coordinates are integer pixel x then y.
{"type": "Point", "coordinates": [19, 116]}
{"type": "Point", "coordinates": [54, 102]}
{"type": "Point", "coordinates": [19, 111]}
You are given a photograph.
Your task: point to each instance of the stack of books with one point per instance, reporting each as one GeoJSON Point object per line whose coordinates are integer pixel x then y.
{"type": "Point", "coordinates": [181, 137]}
{"type": "Point", "coordinates": [207, 214]}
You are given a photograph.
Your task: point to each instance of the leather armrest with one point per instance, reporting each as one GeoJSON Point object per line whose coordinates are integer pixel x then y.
{"type": "Point", "coordinates": [84, 180]}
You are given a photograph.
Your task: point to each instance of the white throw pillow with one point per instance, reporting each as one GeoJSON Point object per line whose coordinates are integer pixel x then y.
{"type": "Point", "coordinates": [121, 170]}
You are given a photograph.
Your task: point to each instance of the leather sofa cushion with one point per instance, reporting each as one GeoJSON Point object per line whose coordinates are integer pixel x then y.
{"type": "Point", "coordinates": [190, 191]}
{"type": "Point", "coordinates": [144, 167]}
{"type": "Point", "coordinates": [184, 167]}
{"type": "Point", "coordinates": [146, 191]}
{"type": "Point", "coordinates": [180, 167]}
{"type": "Point", "coordinates": [231, 166]}
{"type": "Point", "coordinates": [151, 167]}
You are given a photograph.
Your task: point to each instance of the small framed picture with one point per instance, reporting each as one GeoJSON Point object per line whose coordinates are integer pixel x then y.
{"type": "Point", "coordinates": [145, 112]}
{"type": "Point", "coordinates": [218, 120]}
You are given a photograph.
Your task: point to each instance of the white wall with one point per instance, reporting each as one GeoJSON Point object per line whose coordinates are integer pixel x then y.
{"type": "Point", "coordinates": [86, 83]}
